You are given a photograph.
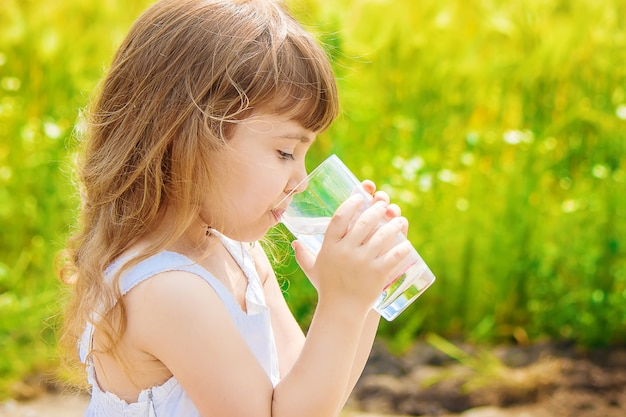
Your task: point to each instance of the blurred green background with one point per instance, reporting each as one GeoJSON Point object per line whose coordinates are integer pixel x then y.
{"type": "Point", "coordinates": [499, 127]}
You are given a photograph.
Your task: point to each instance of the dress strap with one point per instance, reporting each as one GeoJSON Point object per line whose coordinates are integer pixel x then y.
{"type": "Point", "coordinates": [156, 264]}
{"type": "Point", "coordinates": [172, 261]}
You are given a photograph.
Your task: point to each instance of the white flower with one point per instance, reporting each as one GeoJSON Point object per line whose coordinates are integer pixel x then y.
{"type": "Point", "coordinates": [52, 130]}
{"type": "Point", "coordinates": [600, 171]}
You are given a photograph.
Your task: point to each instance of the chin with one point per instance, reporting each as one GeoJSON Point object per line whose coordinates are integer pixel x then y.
{"type": "Point", "coordinates": [249, 235]}
{"type": "Point", "coordinates": [252, 230]}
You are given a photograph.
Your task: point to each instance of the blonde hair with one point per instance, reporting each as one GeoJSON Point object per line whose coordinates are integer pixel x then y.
{"type": "Point", "coordinates": [186, 72]}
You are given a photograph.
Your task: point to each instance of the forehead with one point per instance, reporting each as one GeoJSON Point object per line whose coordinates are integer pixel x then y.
{"type": "Point", "coordinates": [275, 126]}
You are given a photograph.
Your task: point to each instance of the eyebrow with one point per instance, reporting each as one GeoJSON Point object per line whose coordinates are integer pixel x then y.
{"type": "Point", "coordinates": [295, 136]}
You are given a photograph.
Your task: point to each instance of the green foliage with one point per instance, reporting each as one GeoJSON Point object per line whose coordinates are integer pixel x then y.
{"type": "Point", "coordinates": [498, 127]}
{"type": "Point", "coordinates": [51, 56]}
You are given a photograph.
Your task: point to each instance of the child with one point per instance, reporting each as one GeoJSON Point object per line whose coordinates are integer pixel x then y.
{"type": "Point", "coordinates": [199, 129]}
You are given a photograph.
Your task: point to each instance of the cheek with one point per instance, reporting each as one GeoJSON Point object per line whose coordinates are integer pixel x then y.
{"type": "Point", "coordinates": [249, 187]}
{"type": "Point", "coordinates": [244, 198]}
{"type": "Point", "coordinates": [254, 198]}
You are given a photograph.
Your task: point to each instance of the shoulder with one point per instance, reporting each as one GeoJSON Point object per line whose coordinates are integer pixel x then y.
{"type": "Point", "coordinates": [170, 287]}
{"type": "Point", "coordinates": [177, 318]}
{"type": "Point", "coordinates": [168, 298]}
{"type": "Point", "coordinates": [167, 304]}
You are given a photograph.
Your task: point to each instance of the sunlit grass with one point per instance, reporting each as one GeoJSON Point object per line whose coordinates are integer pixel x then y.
{"type": "Point", "coordinates": [499, 127]}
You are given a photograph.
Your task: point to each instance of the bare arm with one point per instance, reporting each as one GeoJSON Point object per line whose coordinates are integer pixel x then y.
{"type": "Point", "coordinates": [198, 342]}
{"type": "Point", "coordinates": [289, 337]}
{"type": "Point", "coordinates": [348, 322]}
{"type": "Point", "coordinates": [287, 333]}
{"type": "Point", "coordinates": [180, 320]}
{"type": "Point", "coordinates": [368, 335]}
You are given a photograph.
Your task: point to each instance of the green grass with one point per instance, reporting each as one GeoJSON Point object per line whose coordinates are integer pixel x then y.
{"type": "Point", "coordinates": [498, 127]}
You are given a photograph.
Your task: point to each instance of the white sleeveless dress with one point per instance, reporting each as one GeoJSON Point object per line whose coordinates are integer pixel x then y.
{"type": "Point", "coordinates": [169, 399]}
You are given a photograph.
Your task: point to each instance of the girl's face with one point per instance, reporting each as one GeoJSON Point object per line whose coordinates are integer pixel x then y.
{"type": "Point", "coordinates": [262, 163]}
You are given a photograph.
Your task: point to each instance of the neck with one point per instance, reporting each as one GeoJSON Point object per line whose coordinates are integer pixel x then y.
{"type": "Point", "coordinates": [194, 242]}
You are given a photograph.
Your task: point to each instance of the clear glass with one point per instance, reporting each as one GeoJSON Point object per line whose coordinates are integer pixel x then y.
{"type": "Point", "coordinates": [310, 211]}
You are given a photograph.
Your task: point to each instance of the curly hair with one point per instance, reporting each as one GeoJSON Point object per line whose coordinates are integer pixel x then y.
{"type": "Point", "coordinates": [187, 71]}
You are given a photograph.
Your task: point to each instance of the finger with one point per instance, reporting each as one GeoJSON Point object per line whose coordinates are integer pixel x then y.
{"type": "Point", "coordinates": [366, 223]}
{"type": "Point", "coordinates": [405, 228]}
{"type": "Point", "coordinates": [381, 196]}
{"type": "Point", "coordinates": [304, 256]}
{"type": "Point", "coordinates": [393, 210]}
{"type": "Point", "coordinates": [387, 236]}
{"type": "Point", "coordinates": [369, 187]}
{"type": "Point", "coordinates": [338, 226]}
{"type": "Point", "coordinates": [397, 260]}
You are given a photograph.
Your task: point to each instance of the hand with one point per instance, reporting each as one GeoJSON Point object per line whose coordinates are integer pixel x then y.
{"type": "Point", "coordinates": [393, 210]}
{"type": "Point", "coordinates": [358, 256]}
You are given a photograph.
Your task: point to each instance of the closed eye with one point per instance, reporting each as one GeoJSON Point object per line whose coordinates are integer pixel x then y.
{"type": "Point", "coordinates": [285, 155]}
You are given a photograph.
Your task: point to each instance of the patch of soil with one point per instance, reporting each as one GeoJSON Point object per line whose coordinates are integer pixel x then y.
{"type": "Point", "coordinates": [560, 380]}
{"type": "Point", "coordinates": [543, 380]}
{"type": "Point", "coordinates": [47, 405]}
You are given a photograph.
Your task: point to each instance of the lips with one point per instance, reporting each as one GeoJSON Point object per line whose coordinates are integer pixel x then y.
{"type": "Point", "coordinates": [281, 207]}
{"type": "Point", "coordinates": [278, 213]}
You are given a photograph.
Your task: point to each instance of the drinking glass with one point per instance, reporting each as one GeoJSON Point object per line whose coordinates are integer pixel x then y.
{"type": "Point", "coordinates": [309, 212]}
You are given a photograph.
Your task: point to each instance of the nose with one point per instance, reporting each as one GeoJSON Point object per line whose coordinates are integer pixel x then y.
{"type": "Point", "coordinates": [299, 181]}
{"type": "Point", "coordinates": [301, 185]}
